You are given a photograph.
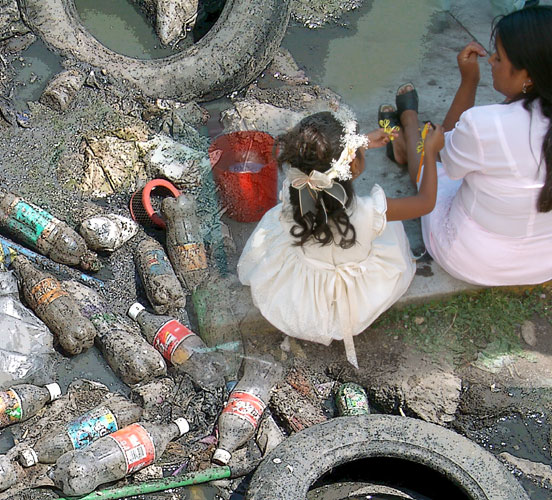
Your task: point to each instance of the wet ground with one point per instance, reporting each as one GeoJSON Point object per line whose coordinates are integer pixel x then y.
{"type": "Point", "coordinates": [363, 57]}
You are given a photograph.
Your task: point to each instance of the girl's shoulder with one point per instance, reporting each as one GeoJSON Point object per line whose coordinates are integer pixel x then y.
{"type": "Point", "coordinates": [491, 112]}
{"type": "Point", "coordinates": [369, 212]}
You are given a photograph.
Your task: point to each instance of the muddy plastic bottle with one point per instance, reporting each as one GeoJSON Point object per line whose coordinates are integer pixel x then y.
{"type": "Point", "coordinates": [351, 399]}
{"type": "Point", "coordinates": [23, 401]}
{"type": "Point", "coordinates": [115, 413]}
{"type": "Point", "coordinates": [162, 287]}
{"type": "Point", "coordinates": [113, 457]}
{"type": "Point", "coordinates": [240, 417]}
{"type": "Point", "coordinates": [179, 345]}
{"type": "Point", "coordinates": [45, 233]}
{"type": "Point", "coordinates": [184, 244]}
{"type": "Point", "coordinates": [127, 353]}
{"type": "Point", "coordinates": [55, 307]}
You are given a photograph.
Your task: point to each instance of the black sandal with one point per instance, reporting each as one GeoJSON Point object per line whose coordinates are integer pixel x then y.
{"type": "Point", "coordinates": [406, 101]}
{"type": "Point", "coordinates": [393, 118]}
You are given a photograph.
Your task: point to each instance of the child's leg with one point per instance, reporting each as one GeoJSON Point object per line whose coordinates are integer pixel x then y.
{"type": "Point", "coordinates": [411, 134]}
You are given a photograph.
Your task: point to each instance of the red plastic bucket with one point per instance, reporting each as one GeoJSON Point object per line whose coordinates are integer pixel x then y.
{"type": "Point", "coordinates": [246, 173]}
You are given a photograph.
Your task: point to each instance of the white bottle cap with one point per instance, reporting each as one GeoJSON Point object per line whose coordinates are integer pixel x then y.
{"type": "Point", "coordinates": [183, 425]}
{"type": "Point", "coordinates": [27, 457]}
{"type": "Point", "coordinates": [54, 390]}
{"type": "Point", "coordinates": [134, 310]}
{"type": "Point", "coordinates": [221, 457]}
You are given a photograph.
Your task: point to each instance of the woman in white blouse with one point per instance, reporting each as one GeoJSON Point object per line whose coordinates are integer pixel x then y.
{"type": "Point", "coordinates": [492, 224]}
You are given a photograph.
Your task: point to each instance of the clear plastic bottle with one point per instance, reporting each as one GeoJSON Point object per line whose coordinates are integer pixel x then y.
{"type": "Point", "coordinates": [240, 417]}
{"type": "Point", "coordinates": [127, 353]}
{"type": "Point", "coordinates": [55, 307]}
{"type": "Point", "coordinates": [45, 233]}
{"type": "Point", "coordinates": [179, 345]}
{"type": "Point", "coordinates": [184, 243]}
{"type": "Point", "coordinates": [113, 457]}
{"type": "Point", "coordinates": [23, 401]}
{"type": "Point", "coordinates": [162, 287]}
{"type": "Point", "coordinates": [115, 413]}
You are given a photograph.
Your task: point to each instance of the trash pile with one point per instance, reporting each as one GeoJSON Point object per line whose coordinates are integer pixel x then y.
{"type": "Point", "coordinates": [199, 408]}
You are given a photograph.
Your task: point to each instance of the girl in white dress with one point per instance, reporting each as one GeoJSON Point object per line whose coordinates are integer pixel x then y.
{"type": "Point", "coordinates": [324, 263]}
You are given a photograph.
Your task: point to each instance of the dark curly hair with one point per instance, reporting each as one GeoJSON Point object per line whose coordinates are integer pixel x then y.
{"type": "Point", "coordinates": [526, 36]}
{"type": "Point", "coordinates": [312, 145]}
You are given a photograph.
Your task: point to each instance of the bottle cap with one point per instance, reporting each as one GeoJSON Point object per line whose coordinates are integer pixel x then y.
{"type": "Point", "coordinates": [221, 457]}
{"type": "Point", "coordinates": [183, 425]}
{"type": "Point", "coordinates": [134, 310]}
{"type": "Point", "coordinates": [54, 390]}
{"type": "Point", "coordinates": [28, 457]}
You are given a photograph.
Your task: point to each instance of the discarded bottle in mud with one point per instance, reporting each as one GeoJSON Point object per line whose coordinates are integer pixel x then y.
{"type": "Point", "coordinates": [23, 401]}
{"type": "Point", "coordinates": [184, 244]}
{"type": "Point", "coordinates": [180, 346]}
{"type": "Point", "coordinates": [127, 353]}
{"type": "Point", "coordinates": [44, 232]}
{"type": "Point", "coordinates": [351, 399]}
{"type": "Point", "coordinates": [113, 457]}
{"type": "Point", "coordinates": [106, 233]}
{"type": "Point", "coordinates": [162, 287]}
{"type": "Point", "coordinates": [115, 413]}
{"type": "Point", "coordinates": [55, 307]}
{"type": "Point", "coordinates": [240, 417]}
{"type": "Point", "coordinates": [8, 473]}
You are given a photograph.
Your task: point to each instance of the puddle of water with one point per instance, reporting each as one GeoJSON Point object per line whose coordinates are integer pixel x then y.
{"type": "Point", "coordinates": [37, 66]}
{"type": "Point", "coordinates": [121, 26]}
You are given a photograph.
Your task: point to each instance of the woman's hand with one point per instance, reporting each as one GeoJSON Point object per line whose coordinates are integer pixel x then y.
{"type": "Point", "coordinates": [468, 62]}
{"type": "Point", "coordinates": [379, 138]}
{"type": "Point", "coordinates": [435, 140]}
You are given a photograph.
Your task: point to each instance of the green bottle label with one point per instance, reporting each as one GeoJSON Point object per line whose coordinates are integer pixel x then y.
{"type": "Point", "coordinates": [351, 400]}
{"type": "Point", "coordinates": [28, 221]}
{"type": "Point", "coordinates": [10, 408]}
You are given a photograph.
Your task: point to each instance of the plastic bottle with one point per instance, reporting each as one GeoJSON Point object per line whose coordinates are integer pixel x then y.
{"type": "Point", "coordinates": [351, 399]}
{"type": "Point", "coordinates": [240, 417]}
{"type": "Point", "coordinates": [45, 233]}
{"type": "Point", "coordinates": [162, 287]}
{"type": "Point", "coordinates": [55, 307]}
{"type": "Point", "coordinates": [184, 244]}
{"type": "Point", "coordinates": [127, 353]}
{"type": "Point", "coordinates": [115, 456]}
{"type": "Point", "coordinates": [179, 345]}
{"type": "Point", "coordinates": [106, 233]}
{"type": "Point", "coordinates": [115, 413]}
{"type": "Point", "coordinates": [23, 401]}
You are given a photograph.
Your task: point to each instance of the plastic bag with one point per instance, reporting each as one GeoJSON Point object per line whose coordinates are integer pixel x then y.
{"type": "Point", "coordinates": [26, 343]}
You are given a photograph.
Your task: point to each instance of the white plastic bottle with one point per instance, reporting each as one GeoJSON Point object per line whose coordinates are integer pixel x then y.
{"type": "Point", "coordinates": [240, 417]}
{"type": "Point", "coordinates": [23, 401]}
{"type": "Point", "coordinates": [113, 457]}
{"type": "Point", "coordinates": [179, 345]}
{"type": "Point", "coordinates": [114, 414]}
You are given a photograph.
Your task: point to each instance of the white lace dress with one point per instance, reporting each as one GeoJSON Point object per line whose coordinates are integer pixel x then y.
{"type": "Point", "coordinates": [324, 293]}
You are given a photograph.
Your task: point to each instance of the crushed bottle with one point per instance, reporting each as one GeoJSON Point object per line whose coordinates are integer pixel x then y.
{"type": "Point", "coordinates": [184, 243]}
{"type": "Point", "coordinates": [44, 232]}
{"type": "Point", "coordinates": [351, 399]}
{"type": "Point", "coordinates": [180, 346]}
{"type": "Point", "coordinates": [240, 417]}
{"type": "Point", "coordinates": [115, 456]}
{"type": "Point", "coordinates": [115, 413]}
{"type": "Point", "coordinates": [23, 401]}
{"type": "Point", "coordinates": [162, 286]}
{"type": "Point", "coordinates": [55, 307]}
{"type": "Point", "coordinates": [127, 353]}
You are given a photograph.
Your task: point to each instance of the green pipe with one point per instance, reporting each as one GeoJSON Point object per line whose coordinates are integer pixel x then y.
{"type": "Point", "coordinates": [202, 476]}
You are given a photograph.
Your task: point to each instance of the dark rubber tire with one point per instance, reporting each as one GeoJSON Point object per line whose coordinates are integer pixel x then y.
{"type": "Point", "coordinates": [234, 51]}
{"type": "Point", "coordinates": [289, 470]}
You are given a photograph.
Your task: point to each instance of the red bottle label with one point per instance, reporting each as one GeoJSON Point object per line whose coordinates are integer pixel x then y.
{"type": "Point", "coordinates": [169, 337]}
{"type": "Point", "coordinates": [136, 445]}
{"type": "Point", "coordinates": [46, 291]}
{"type": "Point", "coordinates": [245, 405]}
{"type": "Point", "coordinates": [10, 408]}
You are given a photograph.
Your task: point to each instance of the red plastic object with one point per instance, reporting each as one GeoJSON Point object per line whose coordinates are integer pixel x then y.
{"type": "Point", "coordinates": [140, 202]}
{"type": "Point", "coordinates": [249, 193]}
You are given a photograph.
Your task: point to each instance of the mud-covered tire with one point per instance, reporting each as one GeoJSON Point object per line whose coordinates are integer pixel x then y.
{"type": "Point", "coordinates": [290, 469]}
{"type": "Point", "coordinates": [234, 51]}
